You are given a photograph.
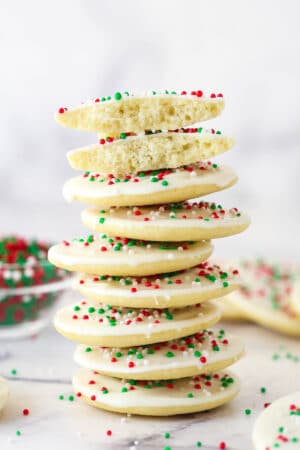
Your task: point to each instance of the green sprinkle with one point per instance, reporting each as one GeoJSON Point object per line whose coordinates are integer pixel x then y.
{"type": "Point", "coordinates": [76, 308]}
{"type": "Point", "coordinates": [123, 136]}
{"type": "Point", "coordinates": [190, 395]}
{"type": "Point", "coordinates": [139, 356]}
{"type": "Point", "coordinates": [164, 183]}
{"type": "Point", "coordinates": [13, 372]}
{"type": "Point", "coordinates": [168, 315]}
{"type": "Point", "coordinates": [169, 354]}
{"type": "Point", "coordinates": [197, 353]}
{"type": "Point", "coordinates": [91, 309]}
{"type": "Point", "coordinates": [118, 96]}
{"type": "Point", "coordinates": [124, 389]}
{"type": "Point", "coordinates": [167, 435]}
{"type": "Point", "coordinates": [154, 179]}
{"type": "Point", "coordinates": [119, 355]}
{"type": "Point", "coordinates": [294, 439]}
{"type": "Point", "coordinates": [263, 390]}
{"type": "Point", "coordinates": [248, 411]}
{"type": "Point", "coordinates": [199, 444]}
{"type": "Point", "coordinates": [71, 398]}
{"type": "Point", "coordinates": [61, 397]}
{"type": "Point", "coordinates": [167, 448]}
{"type": "Point", "coordinates": [225, 284]}
{"type": "Point", "coordinates": [280, 429]}
{"type": "Point", "coordinates": [200, 130]}
{"type": "Point", "coordinates": [101, 220]}
{"type": "Point", "coordinates": [88, 349]}
{"type": "Point", "coordinates": [18, 433]}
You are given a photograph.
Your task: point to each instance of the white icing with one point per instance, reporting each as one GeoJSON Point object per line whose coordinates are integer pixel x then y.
{"type": "Point", "coordinates": [80, 187]}
{"type": "Point", "coordinates": [157, 396]}
{"type": "Point", "coordinates": [191, 316]}
{"type": "Point", "coordinates": [77, 254]}
{"type": "Point", "coordinates": [184, 351]}
{"type": "Point", "coordinates": [276, 425]}
{"type": "Point", "coordinates": [161, 216]}
{"type": "Point", "coordinates": [160, 287]}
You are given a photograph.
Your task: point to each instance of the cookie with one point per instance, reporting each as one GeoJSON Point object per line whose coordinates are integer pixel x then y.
{"type": "Point", "coordinates": [99, 324]}
{"type": "Point", "coordinates": [173, 221]}
{"type": "Point", "coordinates": [124, 112]}
{"type": "Point", "coordinates": [149, 188]}
{"type": "Point", "coordinates": [265, 295]}
{"type": "Point", "coordinates": [204, 352]}
{"type": "Point", "coordinates": [156, 398]}
{"type": "Point", "coordinates": [278, 426]}
{"type": "Point", "coordinates": [295, 295]}
{"type": "Point", "coordinates": [149, 151]}
{"type": "Point", "coordinates": [3, 393]}
{"type": "Point", "coordinates": [100, 255]}
{"type": "Point", "coordinates": [229, 311]}
{"type": "Point", "coordinates": [195, 285]}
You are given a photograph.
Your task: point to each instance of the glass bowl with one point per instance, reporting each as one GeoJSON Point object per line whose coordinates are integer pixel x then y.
{"type": "Point", "coordinates": [30, 288]}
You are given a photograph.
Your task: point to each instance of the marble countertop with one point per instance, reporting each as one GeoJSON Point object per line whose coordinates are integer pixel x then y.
{"type": "Point", "coordinates": [44, 367]}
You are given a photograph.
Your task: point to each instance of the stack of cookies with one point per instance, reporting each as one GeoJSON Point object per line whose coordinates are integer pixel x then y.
{"type": "Point", "coordinates": [146, 346]}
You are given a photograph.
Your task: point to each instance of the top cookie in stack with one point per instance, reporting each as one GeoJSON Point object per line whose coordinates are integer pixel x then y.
{"type": "Point", "coordinates": [142, 171]}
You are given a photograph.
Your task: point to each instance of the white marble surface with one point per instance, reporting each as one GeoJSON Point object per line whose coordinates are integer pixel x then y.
{"type": "Point", "coordinates": [44, 367]}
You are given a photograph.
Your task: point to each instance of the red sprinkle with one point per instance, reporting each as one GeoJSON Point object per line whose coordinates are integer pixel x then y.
{"type": "Point", "coordinates": [109, 432]}
{"type": "Point", "coordinates": [222, 445]}
{"type": "Point", "coordinates": [25, 412]}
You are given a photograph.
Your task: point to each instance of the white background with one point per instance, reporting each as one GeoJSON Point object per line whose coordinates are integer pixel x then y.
{"type": "Point", "coordinates": [59, 53]}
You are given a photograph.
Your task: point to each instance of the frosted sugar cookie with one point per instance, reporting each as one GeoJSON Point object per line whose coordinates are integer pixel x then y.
{"type": "Point", "coordinates": [150, 151]}
{"type": "Point", "coordinates": [278, 426]}
{"type": "Point", "coordinates": [204, 352]}
{"type": "Point", "coordinates": [126, 257]}
{"type": "Point", "coordinates": [173, 221]}
{"type": "Point", "coordinates": [99, 324]}
{"type": "Point", "coordinates": [149, 188]}
{"type": "Point", "coordinates": [295, 295]}
{"type": "Point", "coordinates": [124, 112]}
{"type": "Point", "coordinates": [265, 296]}
{"type": "Point", "coordinates": [156, 398]}
{"type": "Point", "coordinates": [176, 289]}
{"type": "Point", "coordinates": [3, 393]}
{"type": "Point", "coordinates": [230, 311]}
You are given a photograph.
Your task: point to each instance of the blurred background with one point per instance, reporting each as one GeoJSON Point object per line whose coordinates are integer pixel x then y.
{"type": "Point", "coordinates": [60, 53]}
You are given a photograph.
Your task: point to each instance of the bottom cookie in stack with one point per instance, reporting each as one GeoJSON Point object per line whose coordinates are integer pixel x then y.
{"type": "Point", "coordinates": [155, 398]}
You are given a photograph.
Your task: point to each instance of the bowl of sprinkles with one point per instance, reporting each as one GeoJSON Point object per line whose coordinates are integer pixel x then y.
{"type": "Point", "coordinates": [29, 286]}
